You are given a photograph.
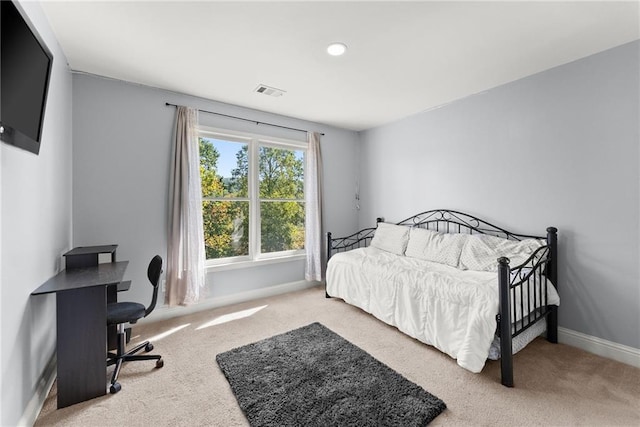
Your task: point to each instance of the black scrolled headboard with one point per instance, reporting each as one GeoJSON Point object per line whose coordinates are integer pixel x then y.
{"type": "Point", "coordinates": [450, 221]}
{"type": "Point", "coordinates": [441, 220]}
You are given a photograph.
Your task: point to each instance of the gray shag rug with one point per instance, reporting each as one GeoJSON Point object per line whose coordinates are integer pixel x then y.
{"type": "Point", "coordinates": [313, 377]}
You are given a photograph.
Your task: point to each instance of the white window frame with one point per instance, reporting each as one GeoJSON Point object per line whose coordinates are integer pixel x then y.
{"type": "Point", "coordinates": [254, 141]}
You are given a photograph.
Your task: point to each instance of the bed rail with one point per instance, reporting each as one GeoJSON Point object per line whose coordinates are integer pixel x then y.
{"type": "Point", "coordinates": [516, 284]}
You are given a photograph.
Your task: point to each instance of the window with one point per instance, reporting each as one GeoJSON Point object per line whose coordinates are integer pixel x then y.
{"type": "Point", "coordinates": [252, 196]}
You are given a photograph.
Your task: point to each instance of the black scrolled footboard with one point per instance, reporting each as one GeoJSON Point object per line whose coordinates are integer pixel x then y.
{"type": "Point", "coordinates": [359, 239]}
{"type": "Point", "coordinates": [517, 285]}
{"type": "Point", "coordinates": [532, 276]}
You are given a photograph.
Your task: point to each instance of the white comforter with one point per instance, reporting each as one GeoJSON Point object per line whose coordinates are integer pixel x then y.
{"type": "Point", "coordinates": [453, 310]}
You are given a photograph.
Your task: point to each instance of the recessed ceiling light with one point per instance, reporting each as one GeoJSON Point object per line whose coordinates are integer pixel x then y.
{"type": "Point", "coordinates": [336, 49]}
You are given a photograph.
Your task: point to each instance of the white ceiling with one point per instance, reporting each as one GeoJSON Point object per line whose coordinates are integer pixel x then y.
{"type": "Point", "coordinates": [403, 57]}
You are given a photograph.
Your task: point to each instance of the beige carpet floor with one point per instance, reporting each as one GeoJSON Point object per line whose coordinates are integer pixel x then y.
{"type": "Point", "coordinates": [555, 384]}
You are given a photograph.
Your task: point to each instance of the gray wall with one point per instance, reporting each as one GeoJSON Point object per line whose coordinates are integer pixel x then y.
{"type": "Point", "coordinates": [557, 148]}
{"type": "Point", "coordinates": [35, 217]}
{"type": "Point", "coordinates": [122, 138]}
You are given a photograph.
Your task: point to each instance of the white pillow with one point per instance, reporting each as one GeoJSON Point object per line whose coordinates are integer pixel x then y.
{"type": "Point", "coordinates": [391, 238]}
{"type": "Point", "coordinates": [443, 248]}
{"type": "Point", "coordinates": [482, 251]}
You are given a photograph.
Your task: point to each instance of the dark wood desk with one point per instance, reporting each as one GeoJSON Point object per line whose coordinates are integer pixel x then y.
{"type": "Point", "coordinates": [87, 256]}
{"type": "Point", "coordinates": [81, 304]}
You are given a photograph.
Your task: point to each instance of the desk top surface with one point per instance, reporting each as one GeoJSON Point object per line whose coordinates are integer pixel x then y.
{"type": "Point", "coordinates": [76, 278]}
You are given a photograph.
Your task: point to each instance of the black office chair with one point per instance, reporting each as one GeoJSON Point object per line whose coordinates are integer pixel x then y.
{"type": "Point", "coordinates": [120, 313]}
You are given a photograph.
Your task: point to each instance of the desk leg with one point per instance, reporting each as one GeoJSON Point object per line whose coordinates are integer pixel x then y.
{"type": "Point", "coordinates": [112, 331]}
{"type": "Point", "coordinates": [81, 344]}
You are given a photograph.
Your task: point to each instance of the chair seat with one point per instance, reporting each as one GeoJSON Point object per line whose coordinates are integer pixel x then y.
{"type": "Point", "coordinates": [123, 312]}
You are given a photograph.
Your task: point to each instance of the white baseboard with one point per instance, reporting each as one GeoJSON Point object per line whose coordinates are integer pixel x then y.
{"type": "Point", "coordinates": [604, 348]}
{"type": "Point", "coordinates": [40, 394]}
{"type": "Point", "coordinates": [165, 312]}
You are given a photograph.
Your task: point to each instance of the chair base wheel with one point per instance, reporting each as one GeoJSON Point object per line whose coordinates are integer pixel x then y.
{"type": "Point", "coordinates": [159, 363]}
{"type": "Point", "coordinates": [115, 387]}
{"type": "Point", "coordinates": [148, 347]}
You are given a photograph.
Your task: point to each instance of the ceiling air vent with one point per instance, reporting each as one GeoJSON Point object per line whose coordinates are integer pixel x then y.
{"type": "Point", "coordinates": [268, 90]}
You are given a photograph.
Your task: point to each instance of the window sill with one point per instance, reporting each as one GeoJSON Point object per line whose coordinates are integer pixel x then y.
{"type": "Point", "coordinates": [235, 265]}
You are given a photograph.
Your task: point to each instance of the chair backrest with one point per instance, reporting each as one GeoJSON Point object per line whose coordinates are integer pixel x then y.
{"type": "Point", "coordinates": [153, 273]}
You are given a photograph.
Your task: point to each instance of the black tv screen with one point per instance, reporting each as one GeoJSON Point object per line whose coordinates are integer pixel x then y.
{"type": "Point", "coordinates": [25, 68]}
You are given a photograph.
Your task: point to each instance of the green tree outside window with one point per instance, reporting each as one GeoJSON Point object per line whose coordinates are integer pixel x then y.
{"type": "Point", "coordinates": [226, 208]}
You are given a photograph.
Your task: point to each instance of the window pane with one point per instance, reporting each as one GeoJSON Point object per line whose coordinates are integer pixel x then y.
{"type": "Point", "coordinates": [223, 168]}
{"type": "Point", "coordinates": [226, 228]}
{"type": "Point", "coordinates": [281, 226]}
{"type": "Point", "coordinates": [281, 173]}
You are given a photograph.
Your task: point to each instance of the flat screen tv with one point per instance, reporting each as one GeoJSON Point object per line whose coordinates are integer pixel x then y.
{"type": "Point", "coordinates": [25, 69]}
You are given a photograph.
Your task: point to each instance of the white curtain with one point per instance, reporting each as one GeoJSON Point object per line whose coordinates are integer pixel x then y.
{"type": "Point", "coordinates": [313, 208]}
{"type": "Point", "coordinates": [185, 246]}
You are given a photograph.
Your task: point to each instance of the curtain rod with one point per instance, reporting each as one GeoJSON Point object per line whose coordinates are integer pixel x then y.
{"type": "Point", "coordinates": [246, 120]}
